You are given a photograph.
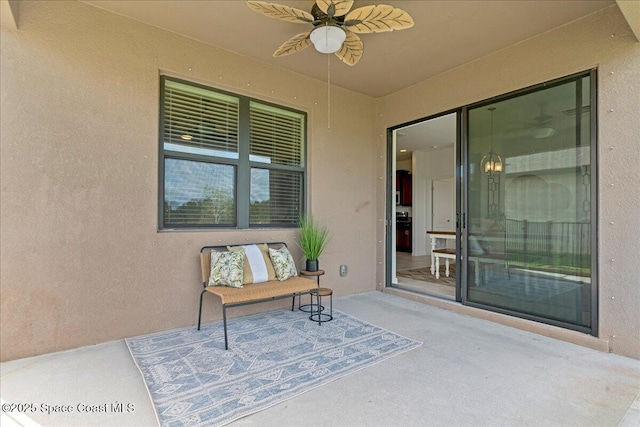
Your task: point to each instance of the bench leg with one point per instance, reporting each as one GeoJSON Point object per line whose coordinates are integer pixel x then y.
{"type": "Point", "coordinates": [224, 321]}
{"type": "Point", "coordinates": [437, 267]}
{"type": "Point", "coordinates": [200, 310]}
{"type": "Point", "coordinates": [293, 303]}
{"type": "Point", "coordinates": [446, 262]}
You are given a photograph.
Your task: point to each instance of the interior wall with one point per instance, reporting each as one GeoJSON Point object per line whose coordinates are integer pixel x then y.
{"type": "Point", "coordinates": [404, 165]}
{"type": "Point", "coordinates": [601, 40]}
{"type": "Point", "coordinates": [82, 261]}
{"type": "Point", "coordinates": [427, 166]}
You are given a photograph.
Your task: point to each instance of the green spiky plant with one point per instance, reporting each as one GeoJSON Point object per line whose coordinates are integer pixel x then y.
{"type": "Point", "coordinates": [314, 237]}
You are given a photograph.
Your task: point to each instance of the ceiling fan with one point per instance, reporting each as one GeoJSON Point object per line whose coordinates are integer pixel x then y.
{"type": "Point", "coordinates": [541, 127]}
{"type": "Point", "coordinates": [538, 127]}
{"type": "Point", "coordinates": [335, 28]}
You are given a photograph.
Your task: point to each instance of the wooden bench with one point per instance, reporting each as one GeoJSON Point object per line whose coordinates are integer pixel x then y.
{"type": "Point", "coordinates": [249, 293]}
{"type": "Point", "coordinates": [447, 254]}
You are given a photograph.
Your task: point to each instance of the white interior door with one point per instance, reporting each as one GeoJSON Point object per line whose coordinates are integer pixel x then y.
{"type": "Point", "coordinates": [443, 206]}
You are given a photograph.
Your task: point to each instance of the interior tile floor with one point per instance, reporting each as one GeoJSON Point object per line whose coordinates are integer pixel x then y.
{"type": "Point", "coordinates": [405, 261]}
{"type": "Point", "coordinates": [468, 372]}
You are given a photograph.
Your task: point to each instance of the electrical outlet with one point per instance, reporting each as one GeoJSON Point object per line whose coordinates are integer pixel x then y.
{"type": "Point", "coordinates": [343, 270]}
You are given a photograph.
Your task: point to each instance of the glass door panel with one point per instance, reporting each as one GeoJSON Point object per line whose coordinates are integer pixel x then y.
{"type": "Point", "coordinates": [528, 229]}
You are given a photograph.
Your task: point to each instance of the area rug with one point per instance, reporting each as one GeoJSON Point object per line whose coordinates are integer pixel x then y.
{"type": "Point", "coordinates": [272, 357]}
{"type": "Point", "coordinates": [424, 275]}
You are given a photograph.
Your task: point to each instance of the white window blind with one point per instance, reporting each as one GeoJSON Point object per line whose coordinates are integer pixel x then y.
{"type": "Point", "coordinates": [228, 160]}
{"type": "Point", "coordinates": [276, 197]}
{"type": "Point", "coordinates": [199, 121]}
{"type": "Point", "coordinates": [275, 135]}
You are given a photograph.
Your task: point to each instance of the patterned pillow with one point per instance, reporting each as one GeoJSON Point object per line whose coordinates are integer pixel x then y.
{"type": "Point", "coordinates": [226, 268]}
{"type": "Point", "coordinates": [283, 263]}
{"type": "Point", "coordinates": [257, 264]}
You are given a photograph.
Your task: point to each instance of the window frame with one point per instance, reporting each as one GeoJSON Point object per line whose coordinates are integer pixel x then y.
{"type": "Point", "coordinates": [242, 165]}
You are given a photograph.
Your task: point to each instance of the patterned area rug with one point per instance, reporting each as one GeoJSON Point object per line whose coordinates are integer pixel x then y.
{"type": "Point", "coordinates": [272, 357]}
{"type": "Point", "coordinates": [424, 274]}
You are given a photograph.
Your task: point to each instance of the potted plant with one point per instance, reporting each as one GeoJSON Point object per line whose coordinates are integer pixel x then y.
{"type": "Point", "coordinates": [313, 239]}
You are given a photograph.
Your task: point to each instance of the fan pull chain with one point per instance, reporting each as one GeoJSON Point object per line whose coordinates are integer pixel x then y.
{"type": "Point", "coordinates": [329, 93]}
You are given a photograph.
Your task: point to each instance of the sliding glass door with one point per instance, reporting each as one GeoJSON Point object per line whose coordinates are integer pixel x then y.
{"type": "Point", "coordinates": [528, 204]}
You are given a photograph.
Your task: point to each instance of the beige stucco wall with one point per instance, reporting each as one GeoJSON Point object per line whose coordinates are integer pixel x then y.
{"type": "Point", "coordinates": [82, 261]}
{"type": "Point", "coordinates": [601, 40]}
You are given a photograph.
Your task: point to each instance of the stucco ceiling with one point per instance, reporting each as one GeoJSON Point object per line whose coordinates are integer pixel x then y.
{"type": "Point", "coordinates": [446, 34]}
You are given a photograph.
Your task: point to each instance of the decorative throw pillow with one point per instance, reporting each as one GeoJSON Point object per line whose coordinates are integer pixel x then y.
{"type": "Point", "coordinates": [257, 264]}
{"type": "Point", "coordinates": [226, 268]}
{"type": "Point", "coordinates": [283, 263]}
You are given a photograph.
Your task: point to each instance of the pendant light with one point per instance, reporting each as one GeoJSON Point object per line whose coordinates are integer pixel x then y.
{"type": "Point", "coordinates": [491, 164]}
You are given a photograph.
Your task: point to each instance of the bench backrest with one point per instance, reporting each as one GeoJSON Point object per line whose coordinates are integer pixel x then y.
{"type": "Point", "coordinates": [205, 257]}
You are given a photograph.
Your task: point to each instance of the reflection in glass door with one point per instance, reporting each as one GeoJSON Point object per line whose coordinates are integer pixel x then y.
{"type": "Point", "coordinates": [529, 235]}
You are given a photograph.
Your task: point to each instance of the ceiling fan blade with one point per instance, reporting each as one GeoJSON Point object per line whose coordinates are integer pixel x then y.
{"type": "Point", "coordinates": [377, 19]}
{"type": "Point", "coordinates": [334, 7]}
{"type": "Point", "coordinates": [293, 45]}
{"type": "Point", "coordinates": [279, 11]}
{"type": "Point", "coordinates": [351, 50]}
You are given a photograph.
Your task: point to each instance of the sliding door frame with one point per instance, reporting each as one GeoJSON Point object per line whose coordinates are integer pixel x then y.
{"type": "Point", "coordinates": [390, 200]}
{"type": "Point", "coordinates": [462, 198]}
{"type": "Point", "coordinates": [594, 217]}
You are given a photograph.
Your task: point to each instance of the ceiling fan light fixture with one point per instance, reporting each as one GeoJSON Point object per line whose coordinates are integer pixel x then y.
{"type": "Point", "coordinates": [327, 38]}
{"type": "Point", "coordinates": [336, 26]}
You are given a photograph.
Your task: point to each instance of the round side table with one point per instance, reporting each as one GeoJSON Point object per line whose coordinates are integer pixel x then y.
{"type": "Point", "coordinates": [318, 315]}
{"type": "Point", "coordinates": [309, 308]}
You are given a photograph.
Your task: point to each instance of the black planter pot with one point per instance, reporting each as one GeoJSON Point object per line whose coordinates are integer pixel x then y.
{"type": "Point", "coordinates": [312, 265]}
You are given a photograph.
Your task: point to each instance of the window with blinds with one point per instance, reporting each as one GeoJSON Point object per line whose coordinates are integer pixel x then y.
{"type": "Point", "coordinates": [275, 135]}
{"type": "Point", "coordinates": [228, 160]}
{"type": "Point", "coordinates": [200, 121]}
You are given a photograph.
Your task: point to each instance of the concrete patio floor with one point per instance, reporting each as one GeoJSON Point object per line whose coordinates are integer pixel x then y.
{"type": "Point", "coordinates": [468, 372]}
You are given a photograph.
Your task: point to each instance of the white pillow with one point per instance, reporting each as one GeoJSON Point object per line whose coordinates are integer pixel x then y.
{"type": "Point", "coordinates": [257, 263]}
